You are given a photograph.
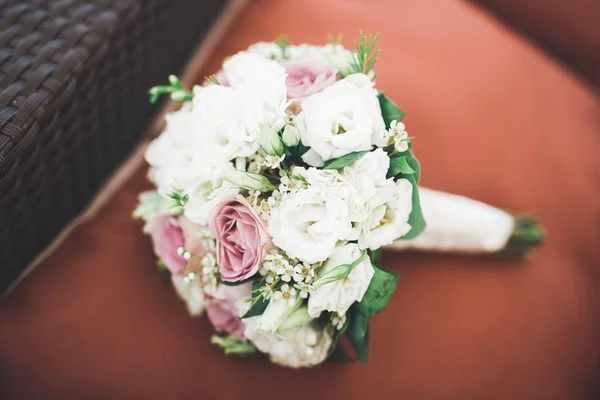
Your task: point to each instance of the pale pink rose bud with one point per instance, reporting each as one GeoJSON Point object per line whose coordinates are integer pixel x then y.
{"type": "Point", "coordinates": [308, 76]}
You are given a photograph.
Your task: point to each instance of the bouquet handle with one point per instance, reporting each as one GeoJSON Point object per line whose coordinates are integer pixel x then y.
{"type": "Point", "coordinates": [459, 224]}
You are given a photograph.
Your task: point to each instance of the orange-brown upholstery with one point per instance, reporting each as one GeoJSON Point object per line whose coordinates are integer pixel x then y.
{"type": "Point", "coordinates": [566, 29]}
{"type": "Point", "coordinates": [492, 119]}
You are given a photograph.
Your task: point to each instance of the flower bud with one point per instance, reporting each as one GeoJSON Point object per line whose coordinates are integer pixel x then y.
{"type": "Point", "coordinates": [249, 181]}
{"type": "Point", "coordinates": [291, 136]}
{"type": "Point", "coordinates": [270, 141]}
{"type": "Point", "coordinates": [277, 312]}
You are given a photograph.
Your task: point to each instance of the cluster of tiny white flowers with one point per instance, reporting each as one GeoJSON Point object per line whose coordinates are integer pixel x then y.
{"type": "Point", "coordinates": [338, 320]}
{"type": "Point", "coordinates": [273, 162]}
{"type": "Point", "coordinates": [259, 162]}
{"type": "Point", "coordinates": [184, 253]}
{"type": "Point", "coordinates": [291, 184]}
{"type": "Point", "coordinates": [205, 269]}
{"type": "Point", "coordinates": [397, 135]}
{"type": "Point", "coordinates": [209, 273]}
{"type": "Point", "coordinates": [208, 240]}
{"type": "Point", "coordinates": [263, 206]}
{"type": "Point", "coordinates": [256, 163]}
{"type": "Point", "coordinates": [278, 267]}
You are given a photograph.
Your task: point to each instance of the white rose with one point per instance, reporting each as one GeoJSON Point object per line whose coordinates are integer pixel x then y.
{"type": "Point", "coordinates": [308, 224]}
{"type": "Point", "coordinates": [345, 117]}
{"type": "Point", "coordinates": [191, 293]}
{"type": "Point", "coordinates": [303, 346]}
{"type": "Point", "coordinates": [264, 80]}
{"type": "Point", "coordinates": [388, 219]}
{"type": "Point", "coordinates": [339, 295]}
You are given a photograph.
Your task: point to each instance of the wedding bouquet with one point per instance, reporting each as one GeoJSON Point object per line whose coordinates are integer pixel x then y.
{"type": "Point", "coordinates": [278, 181]}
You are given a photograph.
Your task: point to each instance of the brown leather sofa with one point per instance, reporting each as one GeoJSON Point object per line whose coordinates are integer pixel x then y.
{"type": "Point", "coordinates": [494, 117]}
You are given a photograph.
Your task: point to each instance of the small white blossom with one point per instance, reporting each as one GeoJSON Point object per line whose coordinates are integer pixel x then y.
{"type": "Point", "coordinates": [396, 135]}
{"type": "Point", "coordinates": [291, 184]}
{"type": "Point", "coordinates": [257, 163]}
{"type": "Point", "coordinates": [285, 271]}
{"type": "Point", "coordinates": [274, 260]}
{"type": "Point", "coordinates": [338, 320]}
{"type": "Point", "coordinates": [273, 162]}
{"type": "Point", "coordinates": [265, 206]}
{"type": "Point", "coordinates": [304, 273]}
{"type": "Point", "coordinates": [286, 293]}
{"type": "Point", "coordinates": [304, 289]}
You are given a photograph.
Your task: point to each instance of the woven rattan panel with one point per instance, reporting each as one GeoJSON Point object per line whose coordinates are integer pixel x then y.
{"type": "Point", "coordinates": [74, 76]}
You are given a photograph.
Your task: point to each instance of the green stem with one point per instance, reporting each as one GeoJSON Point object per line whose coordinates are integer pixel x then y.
{"type": "Point", "coordinates": [527, 234]}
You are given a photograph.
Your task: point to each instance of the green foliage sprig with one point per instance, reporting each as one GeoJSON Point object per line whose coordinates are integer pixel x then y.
{"type": "Point", "coordinates": [175, 89]}
{"type": "Point", "coordinates": [365, 56]}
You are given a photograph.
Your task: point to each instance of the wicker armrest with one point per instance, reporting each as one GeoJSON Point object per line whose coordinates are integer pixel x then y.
{"type": "Point", "coordinates": [74, 76]}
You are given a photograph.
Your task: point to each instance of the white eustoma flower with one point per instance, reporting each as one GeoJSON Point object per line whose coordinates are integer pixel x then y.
{"type": "Point", "coordinates": [362, 178]}
{"type": "Point", "coordinates": [378, 207]}
{"type": "Point", "coordinates": [339, 295]}
{"type": "Point", "coordinates": [191, 293]}
{"type": "Point", "coordinates": [264, 80]}
{"type": "Point", "coordinates": [303, 346]}
{"type": "Point", "coordinates": [168, 154]}
{"type": "Point", "coordinates": [308, 224]}
{"type": "Point", "coordinates": [388, 219]}
{"type": "Point", "coordinates": [344, 118]}
{"type": "Point", "coordinates": [228, 120]}
{"type": "Point", "coordinates": [326, 179]}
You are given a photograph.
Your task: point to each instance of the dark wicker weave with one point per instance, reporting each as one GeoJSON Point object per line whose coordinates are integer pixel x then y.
{"type": "Point", "coordinates": [74, 76]}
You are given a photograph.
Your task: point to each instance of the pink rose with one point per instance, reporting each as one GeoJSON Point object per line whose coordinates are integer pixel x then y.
{"type": "Point", "coordinates": [222, 311]}
{"type": "Point", "coordinates": [242, 239]}
{"type": "Point", "coordinates": [167, 237]}
{"type": "Point", "coordinates": [168, 234]}
{"type": "Point", "coordinates": [308, 76]}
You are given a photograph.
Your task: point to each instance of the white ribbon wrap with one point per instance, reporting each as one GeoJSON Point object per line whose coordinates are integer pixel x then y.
{"type": "Point", "coordinates": [459, 224]}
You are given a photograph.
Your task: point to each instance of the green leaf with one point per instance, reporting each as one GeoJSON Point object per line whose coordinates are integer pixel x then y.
{"type": "Point", "coordinates": [339, 272]}
{"type": "Point", "coordinates": [375, 256]}
{"type": "Point", "coordinates": [343, 161]}
{"type": "Point", "coordinates": [232, 345]}
{"type": "Point", "coordinates": [337, 354]}
{"type": "Point", "coordinates": [380, 291]}
{"type": "Point", "coordinates": [389, 110]}
{"type": "Point", "coordinates": [400, 165]}
{"type": "Point", "coordinates": [399, 168]}
{"type": "Point", "coordinates": [258, 305]}
{"type": "Point", "coordinates": [416, 219]}
{"type": "Point", "coordinates": [358, 334]}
